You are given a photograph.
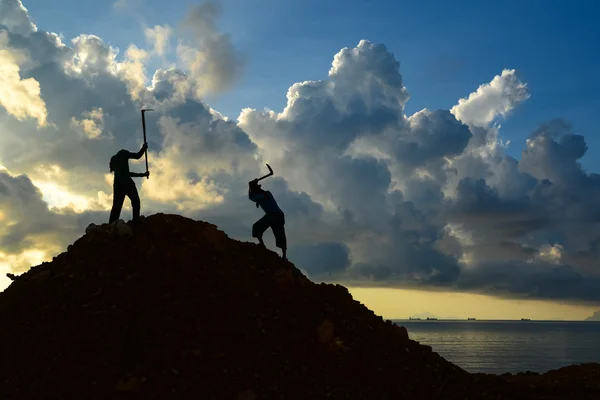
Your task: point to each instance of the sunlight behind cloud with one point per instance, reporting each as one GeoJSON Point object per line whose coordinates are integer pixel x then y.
{"type": "Point", "coordinates": [20, 97]}
{"type": "Point", "coordinates": [133, 70]}
{"type": "Point", "coordinates": [159, 37]}
{"type": "Point", "coordinates": [91, 124]}
{"type": "Point", "coordinates": [167, 185]}
{"type": "Point", "coordinates": [59, 197]}
{"type": "Point", "coordinates": [22, 261]}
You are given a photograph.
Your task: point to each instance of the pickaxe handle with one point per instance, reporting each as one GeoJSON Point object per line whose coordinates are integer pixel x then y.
{"type": "Point", "coordinates": [145, 141]}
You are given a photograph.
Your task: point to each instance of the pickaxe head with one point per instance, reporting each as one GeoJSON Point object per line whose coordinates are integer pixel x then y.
{"type": "Point", "coordinates": [254, 182]}
{"type": "Point", "coordinates": [267, 175]}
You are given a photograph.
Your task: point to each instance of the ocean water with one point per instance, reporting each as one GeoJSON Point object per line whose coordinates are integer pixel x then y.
{"type": "Point", "coordinates": [509, 346]}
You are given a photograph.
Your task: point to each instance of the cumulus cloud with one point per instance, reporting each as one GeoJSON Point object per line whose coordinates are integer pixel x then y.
{"type": "Point", "coordinates": [91, 124]}
{"type": "Point", "coordinates": [159, 37]}
{"type": "Point", "coordinates": [133, 71]}
{"type": "Point", "coordinates": [491, 100]}
{"type": "Point", "coordinates": [372, 196]}
{"type": "Point", "coordinates": [20, 97]}
{"type": "Point", "coordinates": [208, 54]}
{"type": "Point", "coordinates": [15, 17]}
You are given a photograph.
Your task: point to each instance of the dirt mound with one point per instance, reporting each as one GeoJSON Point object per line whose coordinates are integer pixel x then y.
{"type": "Point", "coordinates": [177, 310]}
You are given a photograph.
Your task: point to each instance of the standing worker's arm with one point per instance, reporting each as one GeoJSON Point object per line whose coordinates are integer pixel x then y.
{"type": "Point", "coordinates": [138, 175]}
{"type": "Point", "coordinates": [139, 154]}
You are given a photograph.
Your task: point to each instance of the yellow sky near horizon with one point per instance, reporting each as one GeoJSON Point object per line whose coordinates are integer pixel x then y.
{"type": "Point", "coordinates": [402, 303]}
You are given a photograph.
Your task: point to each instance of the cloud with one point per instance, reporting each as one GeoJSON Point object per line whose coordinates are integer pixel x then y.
{"type": "Point", "coordinates": [30, 232]}
{"type": "Point", "coordinates": [133, 71]}
{"type": "Point", "coordinates": [15, 17]}
{"type": "Point", "coordinates": [321, 260]}
{"type": "Point", "coordinates": [159, 37]}
{"type": "Point", "coordinates": [208, 54]}
{"type": "Point", "coordinates": [91, 124]}
{"type": "Point", "coordinates": [20, 97]}
{"type": "Point", "coordinates": [373, 197]}
{"type": "Point", "coordinates": [447, 205]}
{"type": "Point", "coordinates": [491, 100]}
{"type": "Point", "coordinates": [595, 317]}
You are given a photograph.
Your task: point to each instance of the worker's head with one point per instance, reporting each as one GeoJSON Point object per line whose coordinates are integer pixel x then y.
{"type": "Point", "coordinates": [254, 186]}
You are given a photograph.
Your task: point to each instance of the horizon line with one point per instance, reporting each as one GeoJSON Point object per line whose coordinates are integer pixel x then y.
{"type": "Point", "coordinates": [490, 319]}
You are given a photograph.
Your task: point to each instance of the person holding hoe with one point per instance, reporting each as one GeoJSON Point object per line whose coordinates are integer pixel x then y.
{"type": "Point", "coordinates": [274, 218]}
{"type": "Point", "coordinates": [123, 185]}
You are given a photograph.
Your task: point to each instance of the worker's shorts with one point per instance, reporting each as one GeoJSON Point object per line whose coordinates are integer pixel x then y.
{"type": "Point", "coordinates": [276, 222]}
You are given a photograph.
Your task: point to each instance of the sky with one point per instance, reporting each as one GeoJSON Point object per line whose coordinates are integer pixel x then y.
{"type": "Point", "coordinates": [432, 157]}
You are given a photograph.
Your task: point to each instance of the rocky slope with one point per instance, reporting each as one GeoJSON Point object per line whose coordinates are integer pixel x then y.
{"type": "Point", "coordinates": [177, 310]}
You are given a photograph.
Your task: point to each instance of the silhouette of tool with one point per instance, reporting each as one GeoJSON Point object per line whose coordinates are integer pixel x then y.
{"type": "Point", "coordinates": [254, 183]}
{"type": "Point", "coordinates": [267, 175]}
{"type": "Point", "coordinates": [144, 129]}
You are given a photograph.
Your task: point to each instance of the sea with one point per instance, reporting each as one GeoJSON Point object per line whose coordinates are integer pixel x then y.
{"type": "Point", "coordinates": [496, 347]}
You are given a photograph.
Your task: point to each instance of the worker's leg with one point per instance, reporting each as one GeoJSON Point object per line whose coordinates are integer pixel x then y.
{"type": "Point", "coordinates": [118, 198]}
{"type": "Point", "coordinates": [133, 195]}
{"type": "Point", "coordinates": [259, 228]}
{"type": "Point", "coordinates": [278, 227]}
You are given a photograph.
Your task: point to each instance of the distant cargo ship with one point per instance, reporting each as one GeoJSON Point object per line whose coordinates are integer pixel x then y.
{"type": "Point", "coordinates": [431, 319]}
{"type": "Point", "coordinates": [471, 319]}
{"type": "Point", "coordinates": [414, 319]}
{"type": "Point", "coordinates": [525, 319]}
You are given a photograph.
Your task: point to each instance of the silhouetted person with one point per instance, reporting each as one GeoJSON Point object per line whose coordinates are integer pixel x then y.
{"type": "Point", "coordinates": [273, 218]}
{"type": "Point", "coordinates": [123, 184]}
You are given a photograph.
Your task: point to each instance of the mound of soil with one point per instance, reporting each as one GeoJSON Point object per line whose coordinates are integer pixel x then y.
{"type": "Point", "coordinates": [174, 309]}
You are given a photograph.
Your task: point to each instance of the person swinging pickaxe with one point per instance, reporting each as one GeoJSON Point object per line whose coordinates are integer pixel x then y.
{"type": "Point", "coordinates": [274, 218]}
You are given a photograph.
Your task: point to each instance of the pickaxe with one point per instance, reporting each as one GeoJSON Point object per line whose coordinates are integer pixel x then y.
{"type": "Point", "coordinates": [263, 177]}
{"type": "Point", "coordinates": [144, 129]}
